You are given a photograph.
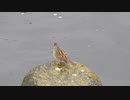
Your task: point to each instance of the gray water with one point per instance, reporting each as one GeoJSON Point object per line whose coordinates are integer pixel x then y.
{"type": "Point", "coordinates": [99, 40]}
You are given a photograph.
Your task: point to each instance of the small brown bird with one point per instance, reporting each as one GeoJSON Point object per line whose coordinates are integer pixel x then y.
{"type": "Point", "coordinates": [60, 55]}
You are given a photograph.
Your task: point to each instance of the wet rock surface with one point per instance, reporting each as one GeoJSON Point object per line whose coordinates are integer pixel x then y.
{"type": "Point", "coordinates": [54, 74]}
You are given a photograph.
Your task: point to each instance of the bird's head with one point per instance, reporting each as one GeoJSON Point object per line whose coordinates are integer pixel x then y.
{"type": "Point", "coordinates": [55, 47]}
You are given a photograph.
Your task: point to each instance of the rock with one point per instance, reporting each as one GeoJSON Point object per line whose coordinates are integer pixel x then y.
{"type": "Point", "coordinates": [55, 74]}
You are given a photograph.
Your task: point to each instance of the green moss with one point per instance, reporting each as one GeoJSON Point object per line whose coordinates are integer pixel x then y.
{"type": "Point", "coordinates": [55, 74]}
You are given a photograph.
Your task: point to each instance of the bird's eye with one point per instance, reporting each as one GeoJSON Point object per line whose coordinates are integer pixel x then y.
{"type": "Point", "coordinates": [55, 44]}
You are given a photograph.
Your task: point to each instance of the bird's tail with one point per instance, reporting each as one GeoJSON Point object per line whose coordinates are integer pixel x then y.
{"type": "Point", "coordinates": [70, 62]}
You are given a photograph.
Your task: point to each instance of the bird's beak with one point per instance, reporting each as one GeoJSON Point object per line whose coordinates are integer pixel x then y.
{"type": "Point", "coordinates": [55, 44]}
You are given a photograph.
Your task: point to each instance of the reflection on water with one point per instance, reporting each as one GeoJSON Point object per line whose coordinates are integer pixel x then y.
{"type": "Point", "coordinates": [22, 13]}
{"type": "Point", "coordinates": [55, 14]}
{"type": "Point", "coordinates": [60, 16]}
{"type": "Point", "coordinates": [28, 21]}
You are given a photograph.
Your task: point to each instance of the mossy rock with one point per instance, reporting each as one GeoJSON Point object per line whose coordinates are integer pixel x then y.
{"type": "Point", "coordinates": [54, 74]}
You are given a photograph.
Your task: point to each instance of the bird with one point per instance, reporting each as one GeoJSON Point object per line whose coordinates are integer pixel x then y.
{"type": "Point", "coordinates": [60, 55]}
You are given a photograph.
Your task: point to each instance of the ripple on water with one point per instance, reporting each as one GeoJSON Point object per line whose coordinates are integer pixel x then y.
{"type": "Point", "coordinates": [97, 30]}
{"type": "Point", "coordinates": [89, 46]}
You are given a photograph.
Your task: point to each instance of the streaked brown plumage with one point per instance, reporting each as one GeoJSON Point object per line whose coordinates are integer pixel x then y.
{"type": "Point", "coordinates": [60, 55]}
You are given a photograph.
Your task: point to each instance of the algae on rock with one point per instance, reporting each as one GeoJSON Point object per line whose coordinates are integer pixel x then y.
{"type": "Point", "coordinates": [54, 74]}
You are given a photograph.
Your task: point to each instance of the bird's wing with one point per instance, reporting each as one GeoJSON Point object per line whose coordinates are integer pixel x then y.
{"type": "Point", "coordinates": [62, 55]}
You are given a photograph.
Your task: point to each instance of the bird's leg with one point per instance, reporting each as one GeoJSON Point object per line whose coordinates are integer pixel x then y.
{"type": "Point", "coordinates": [60, 63]}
